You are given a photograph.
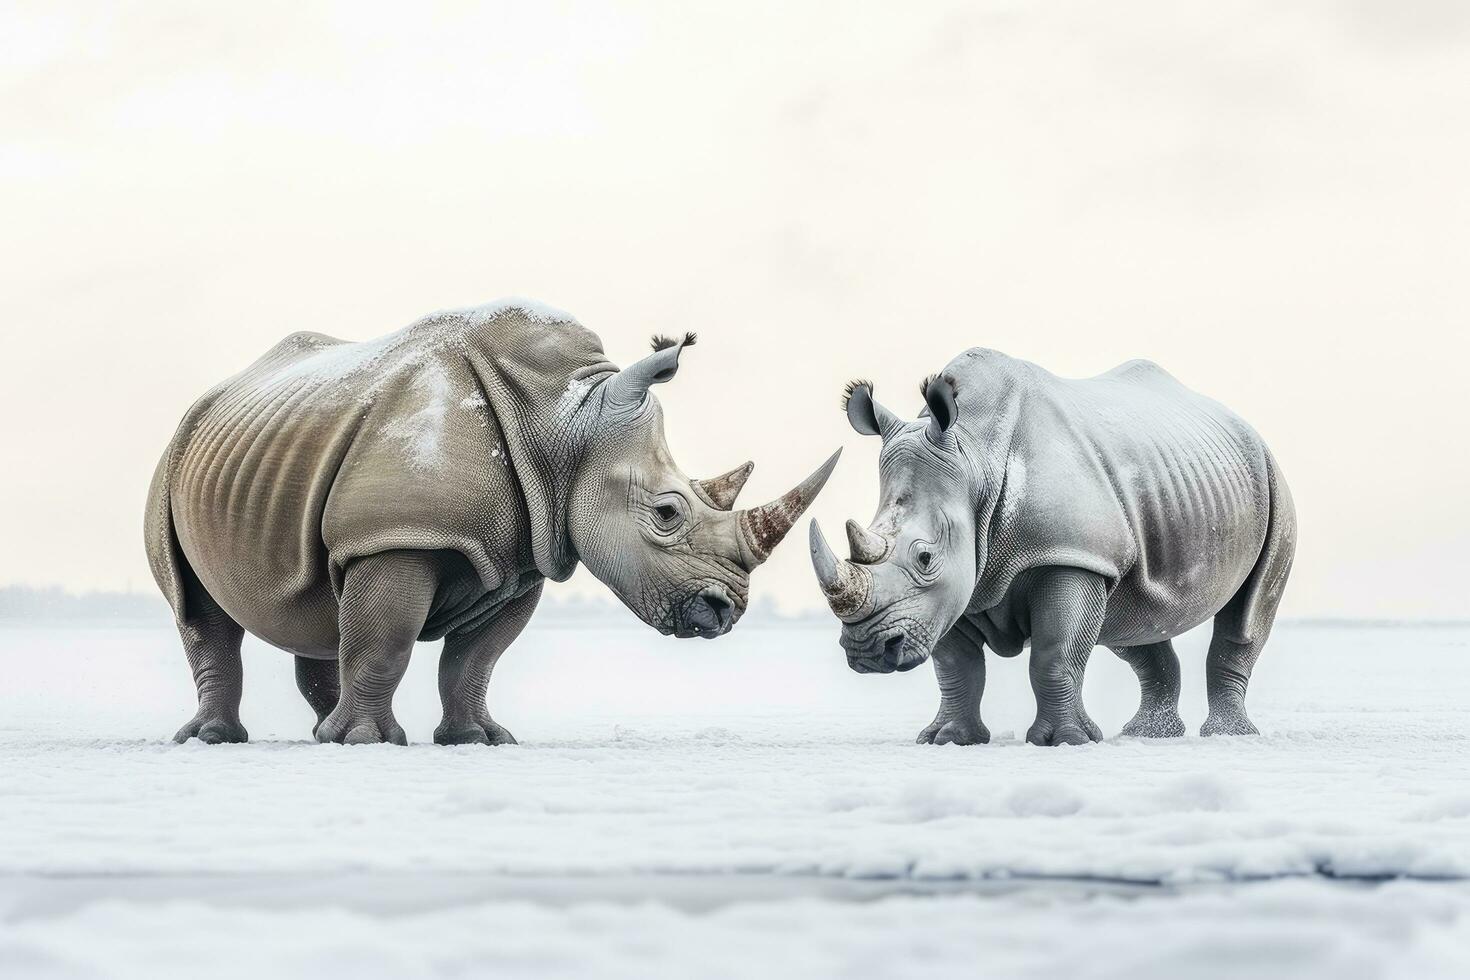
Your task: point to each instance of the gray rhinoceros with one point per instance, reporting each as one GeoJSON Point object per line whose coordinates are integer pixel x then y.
{"type": "Point", "coordinates": [343, 500]}
{"type": "Point", "coordinates": [1120, 510]}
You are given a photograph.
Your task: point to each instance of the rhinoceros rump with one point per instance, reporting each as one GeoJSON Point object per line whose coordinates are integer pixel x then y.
{"type": "Point", "coordinates": [344, 500]}
{"type": "Point", "coordinates": [1021, 507]}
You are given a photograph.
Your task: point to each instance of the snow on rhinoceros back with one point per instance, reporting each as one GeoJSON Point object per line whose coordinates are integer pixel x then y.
{"type": "Point", "coordinates": [344, 500]}
{"type": "Point", "coordinates": [1120, 510]}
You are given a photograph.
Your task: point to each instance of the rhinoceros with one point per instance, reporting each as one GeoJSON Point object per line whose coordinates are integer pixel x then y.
{"type": "Point", "coordinates": [1021, 507]}
{"type": "Point", "coordinates": [344, 500]}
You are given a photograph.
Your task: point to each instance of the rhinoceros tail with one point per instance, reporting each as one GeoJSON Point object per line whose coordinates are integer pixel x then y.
{"type": "Point", "coordinates": [165, 559]}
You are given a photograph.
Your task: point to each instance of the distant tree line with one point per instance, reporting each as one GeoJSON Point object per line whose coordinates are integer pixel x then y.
{"type": "Point", "coordinates": [53, 604]}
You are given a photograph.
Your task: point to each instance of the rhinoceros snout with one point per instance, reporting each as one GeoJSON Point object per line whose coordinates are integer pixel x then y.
{"type": "Point", "coordinates": [882, 653]}
{"type": "Point", "coordinates": [709, 614]}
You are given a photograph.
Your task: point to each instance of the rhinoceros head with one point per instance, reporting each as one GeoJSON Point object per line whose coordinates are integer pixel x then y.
{"type": "Point", "coordinates": [673, 549]}
{"type": "Point", "coordinates": [912, 570]}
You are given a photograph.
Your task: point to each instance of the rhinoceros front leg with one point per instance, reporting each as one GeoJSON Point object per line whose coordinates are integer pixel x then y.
{"type": "Point", "coordinates": [385, 601]}
{"type": "Point", "coordinates": [1157, 667]}
{"type": "Point", "coordinates": [212, 645]}
{"type": "Point", "coordinates": [959, 666]}
{"type": "Point", "coordinates": [1067, 607]}
{"type": "Point", "coordinates": [464, 674]}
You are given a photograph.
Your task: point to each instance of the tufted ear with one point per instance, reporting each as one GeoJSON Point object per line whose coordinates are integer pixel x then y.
{"type": "Point", "coordinates": [630, 385]}
{"type": "Point", "coordinates": [865, 414]}
{"type": "Point", "coordinates": [940, 400]}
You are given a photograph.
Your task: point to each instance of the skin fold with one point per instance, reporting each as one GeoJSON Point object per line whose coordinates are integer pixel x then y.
{"type": "Point", "coordinates": [343, 501]}
{"type": "Point", "coordinates": [1023, 509]}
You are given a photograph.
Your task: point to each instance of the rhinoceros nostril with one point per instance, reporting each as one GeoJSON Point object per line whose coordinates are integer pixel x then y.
{"type": "Point", "coordinates": [719, 606]}
{"type": "Point", "coordinates": [893, 648]}
{"type": "Point", "coordinates": [710, 614]}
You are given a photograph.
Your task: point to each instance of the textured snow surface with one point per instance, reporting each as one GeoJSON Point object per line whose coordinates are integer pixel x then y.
{"type": "Point", "coordinates": [1287, 929]}
{"type": "Point", "coordinates": [759, 754]}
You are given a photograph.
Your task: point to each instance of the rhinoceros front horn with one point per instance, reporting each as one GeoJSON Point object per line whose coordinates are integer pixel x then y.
{"type": "Point", "coordinates": [848, 587]}
{"type": "Point", "coordinates": [763, 527]}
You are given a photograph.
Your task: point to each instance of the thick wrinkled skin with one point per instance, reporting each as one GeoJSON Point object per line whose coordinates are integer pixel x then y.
{"type": "Point", "coordinates": [344, 500]}
{"type": "Point", "coordinates": [1026, 509]}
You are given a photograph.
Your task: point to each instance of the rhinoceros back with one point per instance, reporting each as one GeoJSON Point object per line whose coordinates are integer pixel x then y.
{"type": "Point", "coordinates": [324, 451]}
{"type": "Point", "coordinates": [1132, 475]}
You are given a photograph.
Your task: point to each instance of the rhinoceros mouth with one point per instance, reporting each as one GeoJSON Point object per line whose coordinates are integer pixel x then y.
{"type": "Point", "coordinates": [709, 613]}
{"type": "Point", "coordinates": [885, 651]}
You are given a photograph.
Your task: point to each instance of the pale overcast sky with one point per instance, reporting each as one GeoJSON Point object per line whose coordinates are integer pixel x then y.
{"type": "Point", "coordinates": [1270, 199]}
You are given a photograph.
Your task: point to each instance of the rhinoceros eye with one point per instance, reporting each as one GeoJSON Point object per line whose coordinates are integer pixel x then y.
{"type": "Point", "coordinates": [925, 556]}
{"type": "Point", "coordinates": [668, 513]}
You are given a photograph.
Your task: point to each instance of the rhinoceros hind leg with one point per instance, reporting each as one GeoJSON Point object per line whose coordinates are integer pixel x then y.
{"type": "Point", "coordinates": [318, 683]}
{"type": "Point", "coordinates": [1157, 667]}
{"type": "Point", "coordinates": [1241, 628]}
{"type": "Point", "coordinates": [1067, 609]}
{"type": "Point", "coordinates": [959, 666]}
{"type": "Point", "coordinates": [1227, 674]}
{"type": "Point", "coordinates": [465, 666]}
{"type": "Point", "coordinates": [212, 644]}
{"type": "Point", "coordinates": [385, 601]}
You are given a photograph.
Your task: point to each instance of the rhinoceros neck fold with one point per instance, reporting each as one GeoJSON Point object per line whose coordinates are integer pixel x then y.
{"type": "Point", "coordinates": [994, 393]}
{"type": "Point", "coordinates": [537, 381]}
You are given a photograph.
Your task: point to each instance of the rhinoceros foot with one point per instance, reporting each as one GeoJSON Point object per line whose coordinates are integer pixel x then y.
{"type": "Point", "coordinates": [1155, 723]}
{"type": "Point", "coordinates": [482, 731]}
{"type": "Point", "coordinates": [212, 730]}
{"type": "Point", "coordinates": [348, 725]}
{"type": "Point", "coordinates": [956, 731]}
{"type": "Point", "coordinates": [1077, 729]}
{"type": "Point", "coordinates": [1234, 723]}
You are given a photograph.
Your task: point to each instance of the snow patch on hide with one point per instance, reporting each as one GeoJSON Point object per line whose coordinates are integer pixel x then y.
{"type": "Point", "coordinates": [575, 394]}
{"type": "Point", "coordinates": [415, 344]}
{"type": "Point", "coordinates": [1015, 486]}
{"type": "Point", "coordinates": [384, 361]}
{"type": "Point", "coordinates": [422, 431]}
{"type": "Point", "coordinates": [532, 310]}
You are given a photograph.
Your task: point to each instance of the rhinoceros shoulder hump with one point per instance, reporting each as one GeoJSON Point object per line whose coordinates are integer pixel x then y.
{"type": "Point", "coordinates": [1141, 371]}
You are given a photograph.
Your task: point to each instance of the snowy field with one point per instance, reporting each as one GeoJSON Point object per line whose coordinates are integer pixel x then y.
{"type": "Point", "coordinates": [747, 807]}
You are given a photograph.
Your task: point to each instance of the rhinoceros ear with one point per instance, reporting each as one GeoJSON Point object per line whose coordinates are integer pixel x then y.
{"type": "Point", "coordinates": [630, 385]}
{"type": "Point", "coordinates": [939, 399]}
{"type": "Point", "coordinates": [865, 414]}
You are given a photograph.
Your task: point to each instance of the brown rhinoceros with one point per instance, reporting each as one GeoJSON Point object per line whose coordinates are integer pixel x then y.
{"type": "Point", "coordinates": [344, 500]}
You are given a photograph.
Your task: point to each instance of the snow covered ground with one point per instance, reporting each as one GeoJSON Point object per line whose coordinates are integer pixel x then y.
{"type": "Point", "coordinates": [747, 807]}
